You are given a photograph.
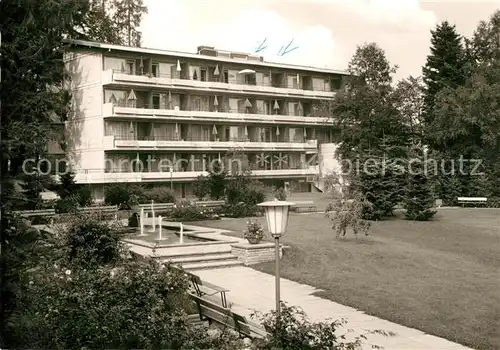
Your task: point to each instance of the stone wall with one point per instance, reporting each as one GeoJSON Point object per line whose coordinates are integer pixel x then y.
{"type": "Point", "coordinates": [251, 254]}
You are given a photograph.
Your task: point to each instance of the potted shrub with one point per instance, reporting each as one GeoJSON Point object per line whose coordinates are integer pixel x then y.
{"type": "Point", "coordinates": [254, 232]}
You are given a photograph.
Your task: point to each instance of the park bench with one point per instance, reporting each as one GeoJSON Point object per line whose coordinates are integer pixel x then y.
{"type": "Point", "coordinates": [203, 288]}
{"type": "Point", "coordinates": [304, 207]}
{"type": "Point", "coordinates": [210, 204]}
{"type": "Point", "coordinates": [157, 207]}
{"type": "Point", "coordinates": [472, 200]}
{"type": "Point", "coordinates": [29, 214]}
{"type": "Point", "coordinates": [102, 211]}
{"type": "Point", "coordinates": [223, 317]}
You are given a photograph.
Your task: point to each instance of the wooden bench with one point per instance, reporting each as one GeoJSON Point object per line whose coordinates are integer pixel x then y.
{"type": "Point", "coordinates": [157, 207]}
{"type": "Point", "coordinates": [304, 207]}
{"type": "Point", "coordinates": [200, 288]}
{"type": "Point", "coordinates": [210, 204]}
{"type": "Point", "coordinates": [225, 318]}
{"type": "Point", "coordinates": [101, 210]}
{"type": "Point", "coordinates": [472, 200]}
{"type": "Point", "coordinates": [28, 214]}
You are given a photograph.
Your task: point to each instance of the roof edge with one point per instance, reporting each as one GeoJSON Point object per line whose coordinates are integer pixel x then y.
{"type": "Point", "coordinates": [103, 46]}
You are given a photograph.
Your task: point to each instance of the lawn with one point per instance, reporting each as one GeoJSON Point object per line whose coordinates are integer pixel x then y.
{"type": "Point", "coordinates": [442, 277]}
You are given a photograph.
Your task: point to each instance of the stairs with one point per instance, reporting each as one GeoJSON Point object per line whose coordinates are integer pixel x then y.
{"type": "Point", "coordinates": [192, 261]}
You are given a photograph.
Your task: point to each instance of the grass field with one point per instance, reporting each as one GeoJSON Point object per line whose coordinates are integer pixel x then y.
{"type": "Point", "coordinates": [442, 277]}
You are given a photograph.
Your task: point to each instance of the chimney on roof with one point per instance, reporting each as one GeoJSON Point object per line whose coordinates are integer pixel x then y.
{"type": "Point", "coordinates": [207, 51]}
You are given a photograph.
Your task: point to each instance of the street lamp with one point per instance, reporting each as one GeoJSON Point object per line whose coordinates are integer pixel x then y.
{"type": "Point", "coordinates": [277, 213]}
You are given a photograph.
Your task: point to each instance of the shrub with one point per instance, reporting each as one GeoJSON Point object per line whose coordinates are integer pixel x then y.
{"type": "Point", "coordinates": [66, 205]}
{"type": "Point", "coordinates": [135, 306]}
{"type": "Point", "coordinates": [84, 196]}
{"type": "Point", "coordinates": [92, 242]}
{"type": "Point", "coordinates": [348, 213]}
{"type": "Point", "coordinates": [201, 187]}
{"type": "Point", "coordinates": [294, 330]}
{"type": "Point", "coordinates": [125, 196]}
{"type": "Point", "coordinates": [241, 189]}
{"type": "Point", "coordinates": [241, 210]}
{"type": "Point", "coordinates": [158, 195]}
{"type": "Point", "coordinates": [186, 211]}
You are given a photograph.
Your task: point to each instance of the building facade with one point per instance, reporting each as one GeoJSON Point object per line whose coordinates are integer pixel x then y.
{"type": "Point", "coordinates": [153, 116]}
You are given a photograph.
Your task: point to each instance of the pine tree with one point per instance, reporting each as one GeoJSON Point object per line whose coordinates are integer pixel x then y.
{"type": "Point", "coordinates": [445, 68]}
{"type": "Point", "coordinates": [127, 16]}
{"type": "Point", "coordinates": [418, 195]}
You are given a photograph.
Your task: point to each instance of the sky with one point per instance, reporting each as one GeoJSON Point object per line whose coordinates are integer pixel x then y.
{"type": "Point", "coordinates": [325, 32]}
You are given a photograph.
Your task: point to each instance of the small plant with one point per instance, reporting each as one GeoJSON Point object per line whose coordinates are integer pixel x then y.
{"type": "Point", "coordinates": [348, 213]}
{"type": "Point", "coordinates": [254, 232]}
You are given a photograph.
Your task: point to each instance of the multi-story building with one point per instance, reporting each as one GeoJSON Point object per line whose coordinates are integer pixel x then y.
{"type": "Point", "coordinates": [183, 110]}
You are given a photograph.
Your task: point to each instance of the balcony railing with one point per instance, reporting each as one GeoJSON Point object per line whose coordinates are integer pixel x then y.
{"type": "Point", "coordinates": [220, 109]}
{"type": "Point", "coordinates": [214, 138]}
{"type": "Point", "coordinates": [322, 88]}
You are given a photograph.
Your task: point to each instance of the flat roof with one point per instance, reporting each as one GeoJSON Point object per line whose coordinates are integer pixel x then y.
{"type": "Point", "coordinates": [142, 50]}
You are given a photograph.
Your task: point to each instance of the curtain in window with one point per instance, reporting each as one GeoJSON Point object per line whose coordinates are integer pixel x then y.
{"type": "Point", "coordinates": [163, 131]}
{"type": "Point", "coordinates": [114, 63]}
{"type": "Point", "coordinates": [121, 130]}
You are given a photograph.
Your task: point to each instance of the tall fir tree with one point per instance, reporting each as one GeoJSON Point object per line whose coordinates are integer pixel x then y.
{"type": "Point", "coordinates": [447, 67]}
{"type": "Point", "coordinates": [127, 16]}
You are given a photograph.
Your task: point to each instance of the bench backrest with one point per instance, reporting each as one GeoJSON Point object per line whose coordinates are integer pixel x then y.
{"type": "Point", "coordinates": [227, 318]}
{"type": "Point", "coordinates": [472, 199]}
{"type": "Point", "coordinates": [102, 208]}
{"type": "Point", "coordinates": [210, 203]}
{"type": "Point", "coordinates": [36, 212]}
{"type": "Point", "coordinates": [157, 206]}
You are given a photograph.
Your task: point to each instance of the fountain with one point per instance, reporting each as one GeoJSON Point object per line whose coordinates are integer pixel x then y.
{"type": "Point", "coordinates": [159, 227]}
{"type": "Point", "coordinates": [181, 236]}
{"type": "Point", "coordinates": [153, 225]}
{"type": "Point", "coordinates": [142, 222]}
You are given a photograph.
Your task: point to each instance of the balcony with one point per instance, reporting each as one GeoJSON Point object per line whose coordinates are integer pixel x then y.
{"type": "Point", "coordinates": [113, 77]}
{"type": "Point", "coordinates": [113, 143]}
{"type": "Point", "coordinates": [114, 111]}
{"type": "Point", "coordinates": [99, 177]}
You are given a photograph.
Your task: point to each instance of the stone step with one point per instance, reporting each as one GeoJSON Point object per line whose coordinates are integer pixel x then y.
{"type": "Point", "coordinates": [201, 257]}
{"type": "Point", "coordinates": [178, 251]}
{"type": "Point", "coordinates": [211, 265]}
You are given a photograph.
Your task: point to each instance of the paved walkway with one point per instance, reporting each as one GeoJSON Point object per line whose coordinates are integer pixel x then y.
{"type": "Point", "coordinates": [253, 290]}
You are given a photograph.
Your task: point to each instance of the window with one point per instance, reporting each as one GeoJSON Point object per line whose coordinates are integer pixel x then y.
{"type": "Point", "coordinates": [130, 67]}
{"type": "Point", "coordinates": [117, 97]}
{"type": "Point", "coordinates": [250, 79]}
{"type": "Point", "coordinates": [116, 64]}
{"type": "Point", "coordinates": [156, 101]}
{"type": "Point", "coordinates": [155, 69]}
{"type": "Point", "coordinates": [203, 74]}
{"type": "Point", "coordinates": [226, 77]}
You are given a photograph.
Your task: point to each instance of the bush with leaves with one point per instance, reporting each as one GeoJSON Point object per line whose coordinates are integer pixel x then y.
{"type": "Point", "coordinates": [134, 305]}
{"type": "Point", "coordinates": [241, 210]}
{"type": "Point", "coordinates": [92, 242]}
{"type": "Point", "coordinates": [344, 213]}
{"type": "Point", "coordinates": [201, 187]}
{"type": "Point", "coordinates": [125, 196]}
{"type": "Point", "coordinates": [187, 211]}
{"type": "Point", "coordinates": [158, 195]}
{"type": "Point", "coordinates": [293, 330]}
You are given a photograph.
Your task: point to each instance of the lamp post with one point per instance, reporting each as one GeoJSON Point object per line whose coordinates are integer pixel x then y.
{"type": "Point", "coordinates": [277, 213]}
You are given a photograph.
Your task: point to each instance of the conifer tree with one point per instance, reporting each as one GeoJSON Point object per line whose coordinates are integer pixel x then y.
{"type": "Point", "coordinates": [418, 195]}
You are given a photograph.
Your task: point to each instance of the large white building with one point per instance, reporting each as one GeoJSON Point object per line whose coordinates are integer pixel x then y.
{"type": "Point", "coordinates": [183, 110]}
